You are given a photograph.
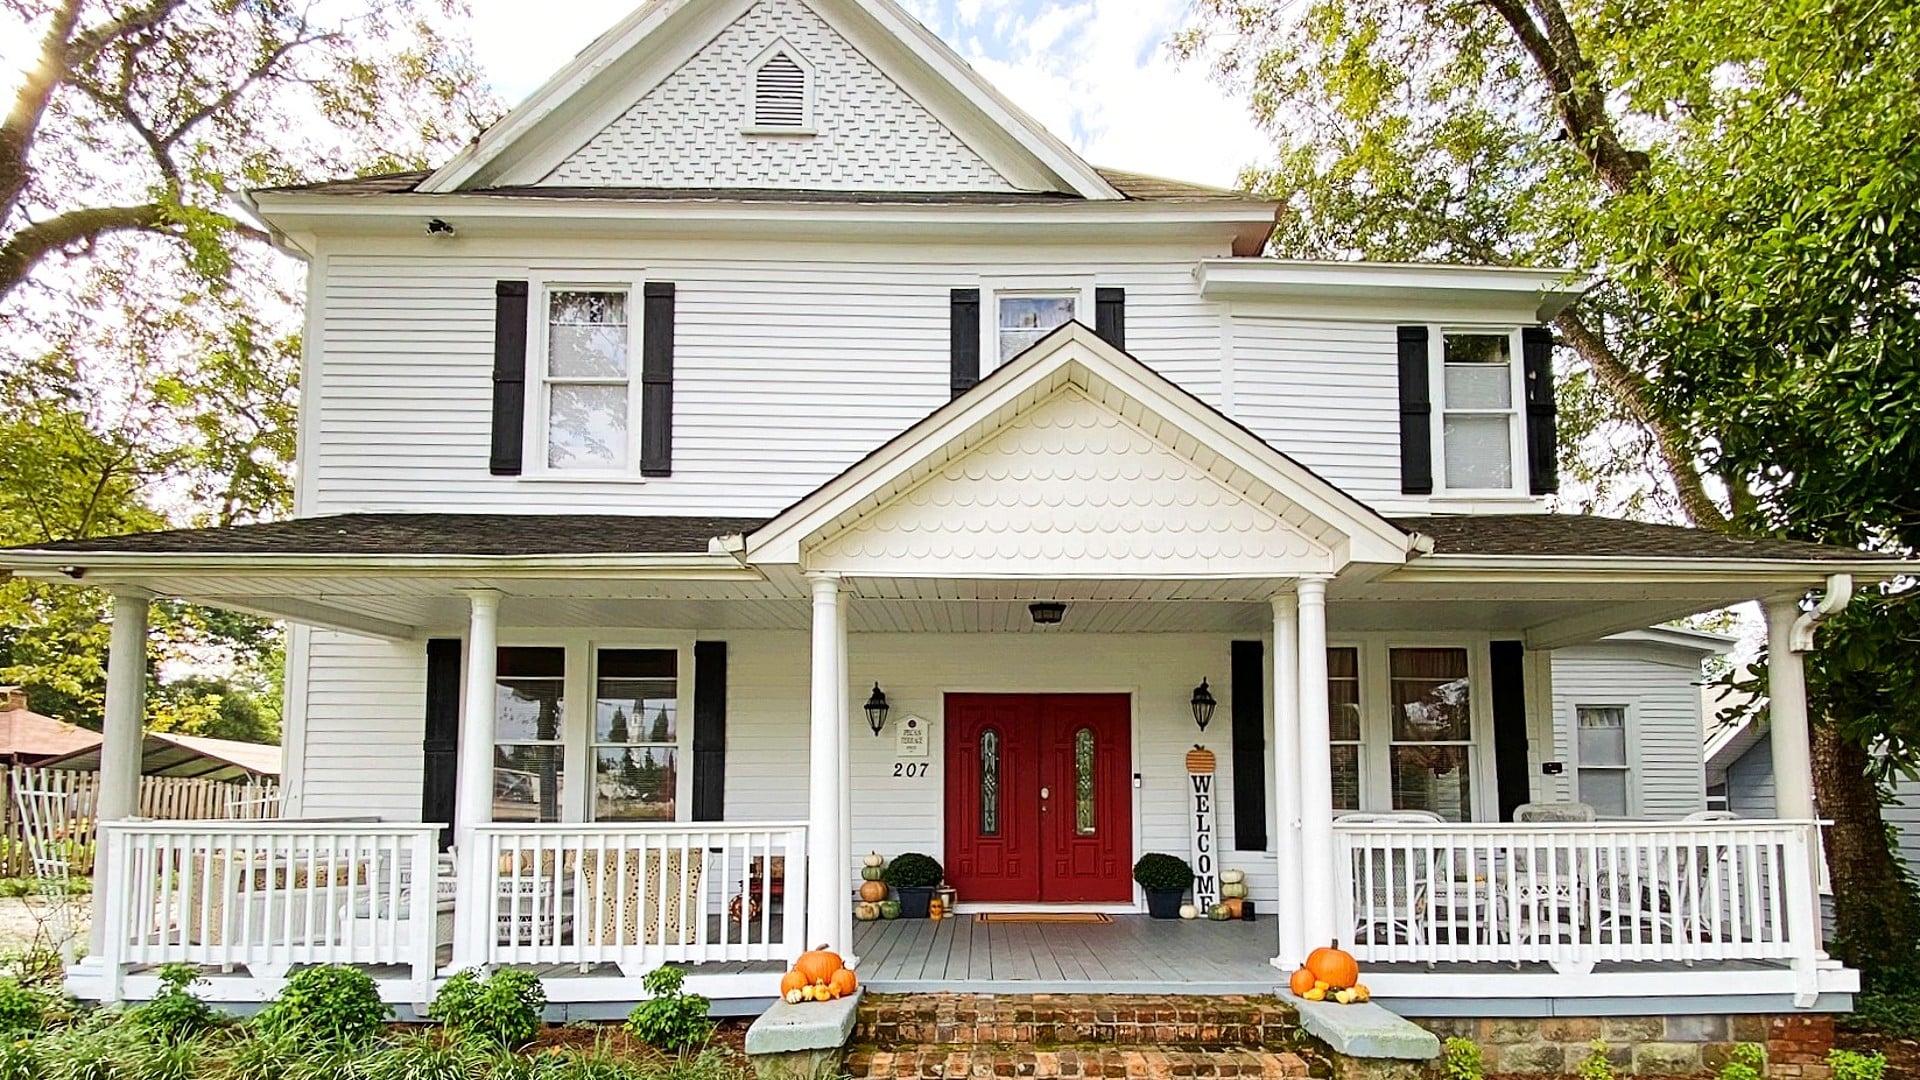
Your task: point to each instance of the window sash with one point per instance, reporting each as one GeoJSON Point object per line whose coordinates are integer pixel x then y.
{"type": "Point", "coordinates": [1513, 464]}
{"type": "Point", "coordinates": [625, 449]}
{"type": "Point", "coordinates": [1028, 335]}
{"type": "Point", "coordinates": [647, 679]}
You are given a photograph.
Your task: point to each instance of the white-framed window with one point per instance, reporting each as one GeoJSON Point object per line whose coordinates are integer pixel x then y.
{"type": "Point", "coordinates": [1478, 384]}
{"type": "Point", "coordinates": [1431, 749]}
{"type": "Point", "coordinates": [1605, 771]}
{"type": "Point", "coordinates": [1347, 726]}
{"type": "Point", "coordinates": [1023, 318]}
{"type": "Point", "coordinates": [780, 92]}
{"type": "Point", "coordinates": [636, 735]}
{"type": "Point", "coordinates": [588, 402]}
{"type": "Point", "coordinates": [529, 734]}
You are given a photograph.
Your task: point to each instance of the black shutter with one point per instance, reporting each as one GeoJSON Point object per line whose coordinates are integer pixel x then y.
{"type": "Point", "coordinates": [441, 750]}
{"type": "Point", "coordinates": [964, 340]}
{"type": "Point", "coordinates": [1511, 771]}
{"type": "Point", "coordinates": [1416, 413]}
{"type": "Point", "coordinates": [656, 381]}
{"type": "Point", "coordinates": [1249, 746]}
{"type": "Point", "coordinates": [1543, 419]}
{"type": "Point", "coordinates": [509, 375]}
{"type": "Point", "coordinates": [709, 730]}
{"type": "Point", "coordinates": [1110, 316]}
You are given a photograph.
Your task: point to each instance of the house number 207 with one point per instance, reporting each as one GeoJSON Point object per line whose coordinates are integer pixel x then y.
{"type": "Point", "coordinates": [912, 770]}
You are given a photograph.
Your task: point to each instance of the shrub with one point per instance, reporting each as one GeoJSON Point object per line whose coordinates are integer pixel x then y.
{"type": "Point", "coordinates": [913, 871]}
{"type": "Point", "coordinates": [1747, 1062]}
{"type": "Point", "coordinates": [1463, 1060]}
{"type": "Point", "coordinates": [81, 1052]}
{"type": "Point", "coordinates": [1158, 872]}
{"type": "Point", "coordinates": [175, 1013]}
{"type": "Point", "coordinates": [23, 1009]}
{"type": "Point", "coordinates": [1853, 1065]}
{"type": "Point", "coordinates": [670, 1018]}
{"type": "Point", "coordinates": [19, 1059]}
{"type": "Point", "coordinates": [504, 1008]}
{"type": "Point", "coordinates": [1895, 1015]}
{"type": "Point", "coordinates": [326, 1007]}
{"type": "Point", "coordinates": [176, 1059]}
{"type": "Point", "coordinates": [1596, 1065]}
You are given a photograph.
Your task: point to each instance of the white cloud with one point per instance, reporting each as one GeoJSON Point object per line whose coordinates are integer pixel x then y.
{"type": "Point", "coordinates": [1095, 72]}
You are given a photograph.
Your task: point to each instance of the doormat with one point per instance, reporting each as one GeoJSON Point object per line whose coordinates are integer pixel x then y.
{"type": "Point", "coordinates": [1043, 917]}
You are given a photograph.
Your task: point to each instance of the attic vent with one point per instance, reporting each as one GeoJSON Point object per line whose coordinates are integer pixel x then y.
{"type": "Point", "coordinates": [780, 94]}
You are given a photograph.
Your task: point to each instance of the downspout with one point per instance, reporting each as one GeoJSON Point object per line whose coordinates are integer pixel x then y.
{"type": "Point", "coordinates": [1839, 593]}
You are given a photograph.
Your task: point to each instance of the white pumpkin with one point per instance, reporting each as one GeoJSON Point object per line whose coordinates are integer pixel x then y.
{"type": "Point", "coordinates": [1188, 911]}
{"type": "Point", "coordinates": [1233, 890]}
{"type": "Point", "coordinates": [874, 858]}
{"type": "Point", "coordinates": [1232, 877]}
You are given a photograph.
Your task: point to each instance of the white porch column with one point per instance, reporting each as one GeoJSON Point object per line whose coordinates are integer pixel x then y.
{"type": "Point", "coordinates": [122, 731]}
{"type": "Point", "coordinates": [1316, 768]}
{"type": "Point", "coordinates": [1787, 704]}
{"type": "Point", "coordinates": [1286, 788]}
{"type": "Point", "coordinates": [826, 873]}
{"type": "Point", "coordinates": [473, 911]}
{"type": "Point", "coordinates": [845, 754]}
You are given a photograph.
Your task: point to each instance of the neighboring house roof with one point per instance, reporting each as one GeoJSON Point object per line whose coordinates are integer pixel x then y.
{"type": "Point", "coordinates": [1133, 186]}
{"type": "Point", "coordinates": [1704, 642]}
{"type": "Point", "coordinates": [1733, 727]}
{"type": "Point", "coordinates": [28, 734]}
{"type": "Point", "coordinates": [164, 753]}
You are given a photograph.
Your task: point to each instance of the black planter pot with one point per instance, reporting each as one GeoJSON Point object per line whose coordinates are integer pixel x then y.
{"type": "Point", "coordinates": [913, 902]}
{"type": "Point", "coordinates": [1165, 903]}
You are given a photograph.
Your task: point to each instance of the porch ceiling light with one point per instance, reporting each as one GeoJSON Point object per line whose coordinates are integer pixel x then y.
{"type": "Point", "coordinates": [877, 709]}
{"type": "Point", "coordinates": [1203, 704]}
{"type": "Point", "coordinates": [1047, 612]}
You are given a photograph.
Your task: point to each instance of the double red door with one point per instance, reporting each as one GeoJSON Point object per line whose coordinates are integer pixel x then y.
{"type": "Point", "coordinates": [1039, 797]}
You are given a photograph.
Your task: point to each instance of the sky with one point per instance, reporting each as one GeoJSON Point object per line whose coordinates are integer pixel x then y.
{"type": "Point", "coordinates": [1097, 73]}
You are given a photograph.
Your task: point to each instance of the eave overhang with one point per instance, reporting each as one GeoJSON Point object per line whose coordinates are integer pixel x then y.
{"type": "Point", "coordinates": [1540, 292]}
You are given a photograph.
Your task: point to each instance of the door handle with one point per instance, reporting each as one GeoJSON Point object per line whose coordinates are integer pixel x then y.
{"type": "Point", "coordinates": [1044, 795]}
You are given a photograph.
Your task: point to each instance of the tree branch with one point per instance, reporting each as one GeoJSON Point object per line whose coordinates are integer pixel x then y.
{"type": "Point", "coordinates": [1629, 387]}
{"type": "Point", "coordinates": [30, 104]}
{"type": "Point", "coordinates": [24, 249]}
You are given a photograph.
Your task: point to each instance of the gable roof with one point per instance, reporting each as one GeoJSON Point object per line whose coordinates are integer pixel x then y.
{"type": "Point", "coordinates": [30, 734]}
{"type": "Point", "coordinates": [601, 83]}
{"type": "Point", "coordinates": [1074, 356]}
{"type": "Point", "coordinates": [164, 753]}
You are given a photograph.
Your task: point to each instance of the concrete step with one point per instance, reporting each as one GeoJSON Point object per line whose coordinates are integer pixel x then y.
{"type": "Point", "coordinates": [1087, 1063]}
{"type": "Point", "coordinates": [1154, 1021]}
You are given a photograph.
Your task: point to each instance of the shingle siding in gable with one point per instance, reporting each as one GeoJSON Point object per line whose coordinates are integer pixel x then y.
{"type": "Point", "coordinates": [686, 132]}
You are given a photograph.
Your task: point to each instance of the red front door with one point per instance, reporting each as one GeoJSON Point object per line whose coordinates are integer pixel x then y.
{"type": "Point", "coordinates": [1039, 797]}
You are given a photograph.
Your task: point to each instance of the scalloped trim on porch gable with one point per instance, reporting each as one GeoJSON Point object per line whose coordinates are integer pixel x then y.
{"type": "Point", "coordinates": [1076, 460]}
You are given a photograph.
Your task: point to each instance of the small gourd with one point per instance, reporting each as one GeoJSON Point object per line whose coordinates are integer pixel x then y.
{"type": "Point", "coordinates": [843, 983]}
{"type": "Point", "coordinates": [872, 873]}
{"type": "Point", "coordinates": [1218, 913]}
{"type": "Point", "coordinates": [889, 909]}
{"type": "Point", "coordinates": [1188, 911]}
{"type": "Point", "coordinates": [794, 996]}
{"type": "Point", "coordinates": [873, 891]}
{"type": "Point", "coordinates": [866, 911]}
{"type": "Point", "coordinates": [873, 860]}
{"type": "Point", "coordinates": [1233, 890]}
{"type": "Point", "coordinates": [1233, 877]}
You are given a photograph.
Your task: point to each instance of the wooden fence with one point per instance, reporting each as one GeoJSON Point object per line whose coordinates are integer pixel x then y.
{"type": "Point", "coordinates": [163, 798]}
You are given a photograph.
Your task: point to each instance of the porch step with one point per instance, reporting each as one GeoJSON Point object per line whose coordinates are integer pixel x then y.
{"type": "Point", "coordinates": [1079, 1037]}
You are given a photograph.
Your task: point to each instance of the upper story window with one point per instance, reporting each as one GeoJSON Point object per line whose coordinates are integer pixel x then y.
{"type": "Point", "coordinates": [587, 385]}
{"type": "Point", "coordinates": [1482, 446]}
{"type": "Point", "coordinates": [1024, 318]}
{"type": "Point", "coordinates": [781, 85]}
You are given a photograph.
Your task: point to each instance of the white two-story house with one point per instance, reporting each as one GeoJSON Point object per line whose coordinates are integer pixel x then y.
{"type": "Point", "coordinates": [768, 445]}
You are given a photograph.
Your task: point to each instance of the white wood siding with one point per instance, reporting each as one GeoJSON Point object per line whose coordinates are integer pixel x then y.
{"type": "Point", "coordinates": [365, 707]}
{"type": "Point", "coordinates": [1659, 689]}
{"type": "Point", "coordinates": [1327, 392]}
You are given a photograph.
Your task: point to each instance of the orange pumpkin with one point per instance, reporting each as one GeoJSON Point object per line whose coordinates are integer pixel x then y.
{"type": "Point", "coordinates": [873, 891]}
{"type": "Point", "coordinates": [818, 965]}
{"type": "Point", "coordinates": [1301, 982]}
{"type": "Point", "coordinates": [792, 981]}
{"type": "Point", "coordinates": [843, 983]}
{"type": "Point", "coordinates": [1334, 966]}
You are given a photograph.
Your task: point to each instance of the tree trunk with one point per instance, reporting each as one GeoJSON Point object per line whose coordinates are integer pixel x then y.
{"type": "Point", "coordinates": [1874, 914]}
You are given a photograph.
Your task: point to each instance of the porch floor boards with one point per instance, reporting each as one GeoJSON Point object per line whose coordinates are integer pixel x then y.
{"type": "Point", "coordinates": [1133, 954]}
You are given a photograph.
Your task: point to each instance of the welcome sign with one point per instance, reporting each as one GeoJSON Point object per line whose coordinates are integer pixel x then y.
{"type": "Point", "coordinates": [1200, 798]}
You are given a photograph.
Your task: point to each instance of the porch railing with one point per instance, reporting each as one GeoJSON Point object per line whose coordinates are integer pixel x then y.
{"type": "Point", "coordinates": [268, 895]}
{"type": "Point", "coordinates": [1573, 895]}
{"type": "Point", "coordinates": [642, 895]}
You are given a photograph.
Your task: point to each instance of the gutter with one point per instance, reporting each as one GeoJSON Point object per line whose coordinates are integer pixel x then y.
{"type": "Point", "coordinates": [1835, 600]}
{"type": "Point", "coordinates": [76, 566]}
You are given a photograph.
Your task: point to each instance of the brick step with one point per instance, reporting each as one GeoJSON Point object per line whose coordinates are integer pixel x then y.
{"type": "Point", "coordinates": [1089, 1063]}
{"type": "Point", "coordinates": [1151, 1021]}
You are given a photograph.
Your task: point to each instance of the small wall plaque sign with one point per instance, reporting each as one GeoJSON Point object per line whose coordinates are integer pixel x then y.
{"type": "Point", "coordinates": [910, 737]}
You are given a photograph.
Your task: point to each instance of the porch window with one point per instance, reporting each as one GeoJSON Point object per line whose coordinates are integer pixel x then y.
{"type": "Point", "coordinates": [1343, 700]}
{"type": "Point", "coordinates": [1432, 732]}
{"type": "Point", "coordinates": [529, 755]}
{"type": "Point", "coordinates": [588, 388]}
{"type": "Point", "coordinates": [1480, 413]}
{"type": "Point", "coordinates": [636, 727]}
{"type": "Point", "coordinates": [1603, 758]}
{"type": "Point", "coordinates": [1025, 318]}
